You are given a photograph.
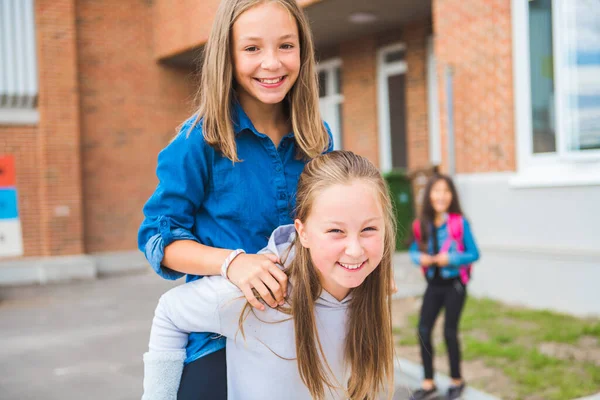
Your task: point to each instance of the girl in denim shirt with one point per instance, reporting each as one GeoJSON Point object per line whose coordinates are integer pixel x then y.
{"type": "Point", "coordinates": [444, 247]}
{"type": "Point", "coordinates": [229, 177]}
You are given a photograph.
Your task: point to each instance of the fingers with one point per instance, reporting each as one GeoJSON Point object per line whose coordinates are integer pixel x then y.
{"type": "Point", "coordinates": [281, 278]}
{"type": "Point", "coordinates": [272, 257]}
{"type": "Point", "coordinates": [264, 292]}
{"type": "Point", "coordinates": [275, 289]}
{"type": "Point", "coordinates": [247, 290]}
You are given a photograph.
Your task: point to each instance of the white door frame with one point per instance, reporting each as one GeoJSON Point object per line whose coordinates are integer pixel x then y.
{"type": "Point", "coordinates": [384, 71]}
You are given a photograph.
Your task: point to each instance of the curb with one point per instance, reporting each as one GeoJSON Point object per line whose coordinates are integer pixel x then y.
{"type": "Point", "coordinates": [592, 397]}
{"type": "Point", "coordinates": [404, 368]}
{"type": "Point", "coordinates": [44, 270]}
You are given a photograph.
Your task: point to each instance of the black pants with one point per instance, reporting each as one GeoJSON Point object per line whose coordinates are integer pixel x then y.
{"type": "Point", "coordinates": [452, 298]}
{"type": "Point", "coordinates": [205, 378]}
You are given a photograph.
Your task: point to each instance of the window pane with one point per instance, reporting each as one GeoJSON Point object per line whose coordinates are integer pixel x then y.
{"type": "Point", "coordinates": [322, 84]}
{"type": "Point", "coordinates": [580, 84]}
{"type": "Point", "coordinates": [542, 76]}
{"type": "Point", "coordinates": [397, 55]}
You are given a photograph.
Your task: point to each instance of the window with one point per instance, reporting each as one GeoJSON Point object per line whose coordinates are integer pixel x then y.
{"type": "Point", "coordinates": [557, 87]}
{"type": "Point", "coordinates": [330, 97]}
{"type": "Point", "coordinates": [18, 71]}
{"type": "Point", "coordinates": [564, 50]}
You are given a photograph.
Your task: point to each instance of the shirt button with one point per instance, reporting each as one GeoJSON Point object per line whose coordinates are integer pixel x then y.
{"type": "Point", "coordinates": [282, 196]}
{"type": "Point", "coordinates": [278, 168]}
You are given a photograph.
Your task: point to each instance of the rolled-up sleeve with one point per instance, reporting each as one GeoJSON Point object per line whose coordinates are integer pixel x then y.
{"type": "Point", "coordinates": [169, 214]}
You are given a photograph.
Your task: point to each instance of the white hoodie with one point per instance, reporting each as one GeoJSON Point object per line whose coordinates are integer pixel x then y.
{"type": "Point", "coordinates": [264, 364]}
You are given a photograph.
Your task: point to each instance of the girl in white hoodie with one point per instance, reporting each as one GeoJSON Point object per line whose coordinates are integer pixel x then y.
{"type": "Point", "coordinates": [332, 338]}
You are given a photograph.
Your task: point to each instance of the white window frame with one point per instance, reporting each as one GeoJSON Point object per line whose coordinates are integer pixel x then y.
{"type": "Point", "coordinates": [560, 168]}
{"type": "Point", "coordinates": [384, 71]}
{"type": "Point", "coordinates": [433, 106]}
{"type": "Point", "coordinates": [19, 83]}
{"type": "Point", "coordinates": [331, 101]}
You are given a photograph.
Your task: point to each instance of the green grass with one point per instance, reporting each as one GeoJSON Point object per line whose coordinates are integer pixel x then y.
{"type": "Point", "coordinates": [507, 338]}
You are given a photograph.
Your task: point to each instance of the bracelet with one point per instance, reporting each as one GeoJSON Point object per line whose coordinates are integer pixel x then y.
{"type": "Point", "coordinates": [228, 260]}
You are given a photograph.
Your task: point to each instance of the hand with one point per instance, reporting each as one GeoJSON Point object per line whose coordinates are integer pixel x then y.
{"type": "Point", "coordinates": [442, 259]}
{"type": "Point", "coordinates": [258, 271]}
{"type": "Point", "coordinates": [426, 260]}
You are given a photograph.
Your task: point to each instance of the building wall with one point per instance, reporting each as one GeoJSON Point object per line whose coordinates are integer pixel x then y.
{"type": "Point", "coordinates": [180, 26]}
{"type": "Point", "coordinates": [415, 37]}
{"type": "Point", "coordinates": [474, 38]}
{"type": "Point", "coordinates": [359, 88]}
{"type": "Point", "coordinates": [47, 159]}
{"type": "Point", "coordinates": [539, 246]}
{"type": "Point", "coordinates": [23, 143]}
{"type": "Point", "coordinates": [130, 108]}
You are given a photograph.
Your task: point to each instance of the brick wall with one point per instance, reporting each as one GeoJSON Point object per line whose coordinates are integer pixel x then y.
{"type": "Point", "coordinates": [130, 108]}
{"type": "Point", "coordinates": [23, 143]}
{"type": "Point", "coordinates": [474, 38]}
{"type": "Point", "coordinates": [173, 29]}
{"type": "Point", "coordinates": [60, 202]}
{"type": "Point", "coordinates": [414, 35]}
{"type": "Point", "coordinates": [359, 87]}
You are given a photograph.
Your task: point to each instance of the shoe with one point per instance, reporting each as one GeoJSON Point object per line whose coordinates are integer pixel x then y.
{"type": "Point", "coordinates": [422, 394]}
{"type": "Point", "coordinates": [455, 392]}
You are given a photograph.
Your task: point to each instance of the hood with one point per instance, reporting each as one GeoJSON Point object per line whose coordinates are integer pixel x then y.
{"type": "Point", "coordinates": [281, 244]}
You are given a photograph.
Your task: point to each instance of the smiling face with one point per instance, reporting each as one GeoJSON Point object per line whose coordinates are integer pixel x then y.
{"type": "Point", "coordinates": [266, 54]}
{"type": "Point", "coordinates": [441, 196]}
{"type": "Point", "coordinates": [344, 233]}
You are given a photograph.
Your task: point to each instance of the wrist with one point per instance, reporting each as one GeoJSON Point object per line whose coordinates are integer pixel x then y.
{"type": "Point", "coordinates": [227, 263]}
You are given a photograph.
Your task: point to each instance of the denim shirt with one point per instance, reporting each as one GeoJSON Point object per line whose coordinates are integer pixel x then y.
{"type": "Point", "coordinates": [203, 196]}
{"type": "Point", "coordinates": [455, 259]}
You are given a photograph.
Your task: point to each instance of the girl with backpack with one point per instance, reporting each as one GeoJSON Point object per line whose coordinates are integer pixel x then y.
{"type": "Point", "coordinates": [333, 337]}
{"type": "Point", "coordinates": [229, 178]}
{"type": "Point", "coordinates": [445, 248]}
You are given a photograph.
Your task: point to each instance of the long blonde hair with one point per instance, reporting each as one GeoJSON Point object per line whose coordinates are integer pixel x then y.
{"type": "Point", "coordinates": [369, 345]}
{"type": "Point", "coordinates": [216, 93]}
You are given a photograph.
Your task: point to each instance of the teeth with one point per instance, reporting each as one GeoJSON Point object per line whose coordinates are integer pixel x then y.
{"type": "Point", "coordinates": [351, 266]}
{"type": "Point", "coordinates": [271, 81]}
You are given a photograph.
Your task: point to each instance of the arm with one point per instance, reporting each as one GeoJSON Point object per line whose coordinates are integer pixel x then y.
{"type": "Point", "coordinates": [417, 257]}
{"type": "Point", "coordinates": [414, 253]}
{"type": "Point", "coordinates": [165, 235]}
{"type": "Point", "coordinates": [190, 307]}
{"type": "Point", "coordinates": [471, 253]}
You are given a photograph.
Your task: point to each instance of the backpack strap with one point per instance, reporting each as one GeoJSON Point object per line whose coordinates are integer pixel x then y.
{"type": "Point", "coordinates": [456, 230]}
{"type": "Point", "coordinates": [416, 227]}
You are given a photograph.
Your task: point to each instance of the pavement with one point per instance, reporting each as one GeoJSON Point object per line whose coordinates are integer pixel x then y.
{"type": "Point", "coordinates": [85, 339]}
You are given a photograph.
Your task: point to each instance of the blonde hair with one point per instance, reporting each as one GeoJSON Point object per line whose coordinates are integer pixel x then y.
{"type": "Point", "coordinates": [216, 93]}
{"type": "Point", "coordinates": [369, 345]}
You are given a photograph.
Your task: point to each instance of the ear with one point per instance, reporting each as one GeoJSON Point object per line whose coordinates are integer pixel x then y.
{"type": "Point", "coordinates": [301, 232]}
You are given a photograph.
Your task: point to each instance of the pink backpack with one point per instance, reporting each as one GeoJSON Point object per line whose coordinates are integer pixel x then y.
{"type": "Point", "coordinates": [456, 230]}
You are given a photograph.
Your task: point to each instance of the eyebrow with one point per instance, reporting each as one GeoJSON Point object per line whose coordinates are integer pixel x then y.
{"type": "Point", "coordinates": [364, 222]}
{"type": "Point", "coordinates": [288, 36]}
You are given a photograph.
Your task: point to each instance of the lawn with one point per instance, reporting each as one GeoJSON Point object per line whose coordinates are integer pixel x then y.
{"type": "Point", "coordinates": [517, 353]}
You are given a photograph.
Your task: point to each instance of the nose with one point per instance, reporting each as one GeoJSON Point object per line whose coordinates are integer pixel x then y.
{"type": "Point", "coordinates": [354, 248]}
{"type": "Point", "coordinates": [271, 61]}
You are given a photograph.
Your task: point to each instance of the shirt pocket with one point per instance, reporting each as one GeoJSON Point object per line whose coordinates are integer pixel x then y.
{"type": "Point", "coordinates": [242, 192]}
